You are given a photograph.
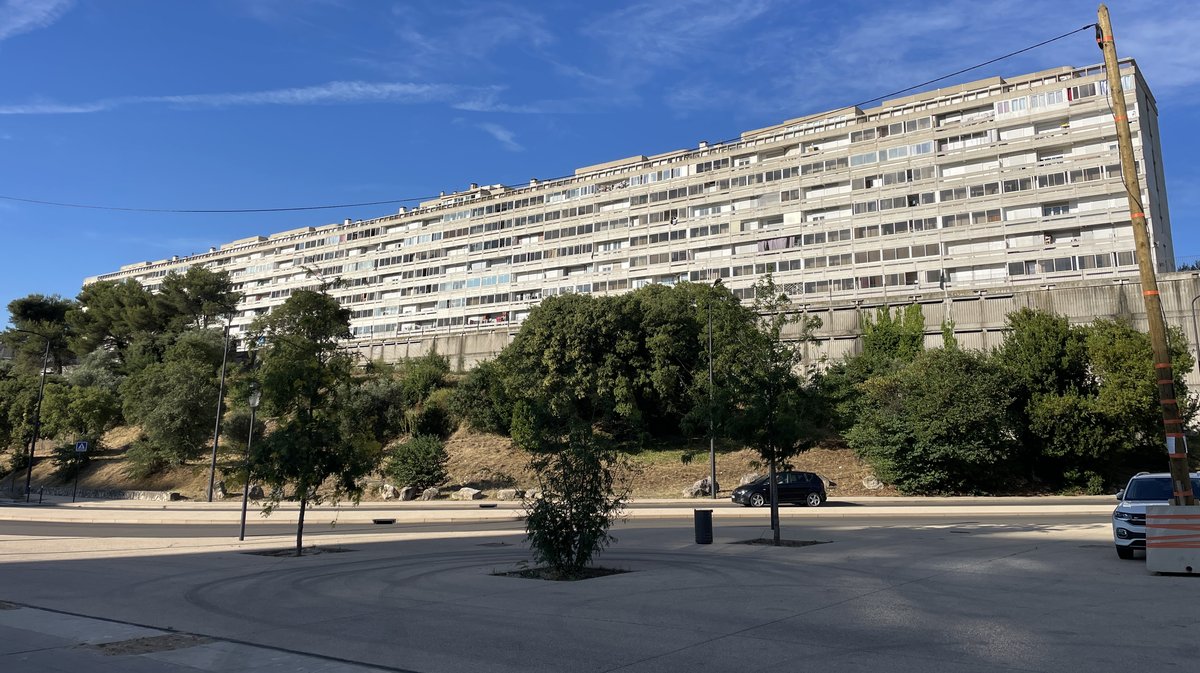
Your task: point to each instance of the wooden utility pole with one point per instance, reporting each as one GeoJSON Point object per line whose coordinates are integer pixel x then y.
{"type": "Point", "coordinates": [1172, 423]}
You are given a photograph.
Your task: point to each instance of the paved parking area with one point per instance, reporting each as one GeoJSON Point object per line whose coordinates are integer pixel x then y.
{"type": "Point", "coordinates": [962, 593]}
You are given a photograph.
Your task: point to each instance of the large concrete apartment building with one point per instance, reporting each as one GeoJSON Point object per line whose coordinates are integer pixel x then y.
{"type": "Point", "coordinates": [998, 183]}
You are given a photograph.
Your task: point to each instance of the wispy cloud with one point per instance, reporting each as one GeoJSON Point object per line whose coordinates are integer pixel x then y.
{"type": "Point", "coordinates": [23, 16]}
{"type": "Point", "coordinates": [504, 136]}
{"type": "Point", "coordinates": [331, 93]}
{"type": "Point", "coordinates": [447, 36]}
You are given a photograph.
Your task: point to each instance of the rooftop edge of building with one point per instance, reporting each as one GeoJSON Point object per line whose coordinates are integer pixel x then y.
{"type": "Point", "coordinates": [851, 114]}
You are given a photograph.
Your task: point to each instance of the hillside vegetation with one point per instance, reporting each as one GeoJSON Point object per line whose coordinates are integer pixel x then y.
{"type": "Point", "coordinates": [1058, 407]}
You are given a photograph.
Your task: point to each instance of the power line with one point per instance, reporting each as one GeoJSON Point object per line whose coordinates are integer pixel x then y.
{"type": "Point", "coordinates": [215, 210]}
{"type": "Point", "coordinates": [229, 211]}
{"type": "Point", "coordinates": [977, 66]}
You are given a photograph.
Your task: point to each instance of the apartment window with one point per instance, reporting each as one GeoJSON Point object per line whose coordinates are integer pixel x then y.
{"type": "Point", "coordinates": [1052, 180]}
{"type": "Point", "coordinates": [869, 231]}
{"type": "Point", "coordinates": [1056, 209]}
{"type": "Point", "coordinates": [1087, 174]}
{"type": "Point", "coordinates": [1018, 185]}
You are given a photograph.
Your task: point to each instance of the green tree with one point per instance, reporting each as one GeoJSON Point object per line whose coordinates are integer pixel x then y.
{"type": "Point", "coordinates": [481, 398]}
{"type": "Point", "coordinates": [889, 342]}
{"type": "Point", "coordinates": [305, 382]}
{"type": "Point", "coordinates": [36, 318]}
{"type": "Point", "coordinates": [939, 425]}
{"type": "Point", "coordinates": [196, 298]}
{"type": "Point", "coordinates": [111, 315]}
{"type": "Point", "coordinates": [580, 486]}
{"type": "Point", "coordinates": [73, 413]}
{"type": "Point", "coordinates": [1042, 355]}
{"type": "Point", "coordinates": [1098, 429]}
{"type": "Point", "coordinates": [376, 404]}
{"type": "Point", "coordinates": [173, 401]}
{"type": "Point", "coordinates": [775, 413]}
{"type": "Point", "coordinates": [421, 376]}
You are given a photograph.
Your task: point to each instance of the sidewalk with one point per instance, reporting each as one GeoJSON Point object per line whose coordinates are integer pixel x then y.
{"type": "Point", "coordinates": [228, 511]}
{"type": "Point", "coordinates": [35, 640]}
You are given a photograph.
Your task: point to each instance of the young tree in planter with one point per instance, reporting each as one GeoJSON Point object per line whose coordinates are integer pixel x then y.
{"type": "Point", "coordinates": [579, 489]}
{"type": "Point", "coordinates": [774, 411]}
{"type": "Point", "coordinates": [305, 383]}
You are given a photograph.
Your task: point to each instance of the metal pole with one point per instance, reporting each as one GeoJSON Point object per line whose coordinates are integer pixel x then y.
{"type": "Point", "coordinates": [712, 434]}
{"type": "Point", "coordinates": [1172, 423]}
{"type": "Point", "coordinates": [37, 420]}
{"type": "Point", "coordinates": [78, 469]}
{"type": "Point", "coordinates": [246, 487]}
{"type": "Point", "coordinates": [712, 452]}
{"type": "Point", "coordinates": [212, 468]}
{"type": "Point", "coordinates": [1196, 333]}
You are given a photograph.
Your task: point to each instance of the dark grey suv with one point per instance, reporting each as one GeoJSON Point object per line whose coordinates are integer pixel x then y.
{"type": "Point", "coordinates": [804, 488]}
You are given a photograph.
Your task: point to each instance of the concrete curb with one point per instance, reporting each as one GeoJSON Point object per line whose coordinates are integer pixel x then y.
{"type": "Point", "coordinates": [221, 513]}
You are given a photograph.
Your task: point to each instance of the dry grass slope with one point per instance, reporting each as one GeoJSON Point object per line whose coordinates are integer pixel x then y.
{"type": "Point", "coordinates": [491, 462]}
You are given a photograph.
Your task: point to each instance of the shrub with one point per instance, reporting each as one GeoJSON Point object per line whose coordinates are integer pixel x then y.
{"type": "Point", "coordinates": [430, 419]}
{"type": "Point", "coordinates": [939, 426]}
{"type": "Point", "coordinates": [419, 462]}
{"type": "Point", "coordinates": [567, 522]}
{"type": "Point", "coordinates": [145, 459]}
{"type": "Point", "coordinates": [479, 399]}
{"type": "Point", "coordinates": [68, 462]}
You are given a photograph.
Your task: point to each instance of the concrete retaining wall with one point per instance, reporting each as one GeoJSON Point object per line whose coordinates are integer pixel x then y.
{"type": "Point", "coordinates": [979, 317]}
{"type": "Point", "coordinates": [111, 494]}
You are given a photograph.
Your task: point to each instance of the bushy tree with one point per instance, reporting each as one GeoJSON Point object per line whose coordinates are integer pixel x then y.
{"type": "Point", "coordinates": [889, 342]}
{"type": "Point", "coordinates": [419, 462]}
{"type": "Point", "coordinates": [1097, 430]}
{"type": "Point", "coordinates": [421, 376]}
{"type": "Point", "coordinates": [36, 318]}
{"type": "Point", "coordinates": [173, 401]}
{"type": "Point", "coordinates": [939, 425]}
{"type": "Point", "coordinates": [110, 315]}
{"type": "Point", "coordinates": [74, 413]}
{"type": "Point", "coordinates": [195, 298]}
{"type": "Point", "coordinates": [481, 400]}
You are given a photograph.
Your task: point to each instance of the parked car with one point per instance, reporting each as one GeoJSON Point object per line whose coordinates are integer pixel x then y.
{"type": "Point", "coordinates": [1129, 518]}
{"type": "Point", "coordinates": [798, 487]}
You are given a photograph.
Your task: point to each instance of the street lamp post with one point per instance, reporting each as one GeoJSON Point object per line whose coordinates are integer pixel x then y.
{"type": "Point", "coordinates": [1196, 333]}
{"type": "Point", "coordinates": [37, 413]}
{"type": "Point", "coordinates": [712, 450]}
{"type": "Point", "coordinates": [212, 469]}
{"type": "Point", "coordinates": [255, 397]}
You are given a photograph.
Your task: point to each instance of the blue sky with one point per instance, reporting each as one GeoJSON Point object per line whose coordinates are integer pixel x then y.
{"type": "Point", "coordinates": [269, 103]}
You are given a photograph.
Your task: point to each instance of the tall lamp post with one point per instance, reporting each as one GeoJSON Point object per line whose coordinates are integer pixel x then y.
{"type": "Point", "coordinates": [37, 413]}
{"type": "Point", "coordinates": [212, 468]}
{"type": "Point", "coordinates": [712, 450]}
{"type": "Point", "coordinates": [1196, 333]}
{"type": "Point", "coordinates": [255, 398]}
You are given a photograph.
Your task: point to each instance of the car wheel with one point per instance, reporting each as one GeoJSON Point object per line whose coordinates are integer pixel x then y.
{"type": "Point", "coordinates": [1125, 552]}
{"type": "Point", "coordinates": [757, 500]}
{"type": "Point", "coordinates": [813, 499]}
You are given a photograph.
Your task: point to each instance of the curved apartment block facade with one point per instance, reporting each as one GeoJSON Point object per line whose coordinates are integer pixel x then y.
{"type": "Point", "coordinates": [999, 182]}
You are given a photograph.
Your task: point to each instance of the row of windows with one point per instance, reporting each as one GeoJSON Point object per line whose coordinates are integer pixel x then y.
{"type": "Point", "coordinates": [1073, 263]}
{"type": "Point", "coordinates": [895, 129]}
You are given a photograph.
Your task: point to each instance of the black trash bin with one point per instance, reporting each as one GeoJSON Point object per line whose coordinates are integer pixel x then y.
{"type": "Point", "coordinates": [703, 526]}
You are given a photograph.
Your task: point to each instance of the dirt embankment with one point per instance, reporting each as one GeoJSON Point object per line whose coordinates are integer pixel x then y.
{"type": "Point", "coordinates": [489, 462]}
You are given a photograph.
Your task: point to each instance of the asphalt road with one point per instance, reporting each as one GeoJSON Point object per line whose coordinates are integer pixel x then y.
{"type": "Point", "coordinates": [955, 592]}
